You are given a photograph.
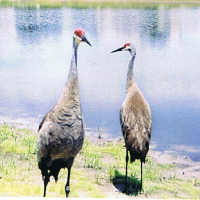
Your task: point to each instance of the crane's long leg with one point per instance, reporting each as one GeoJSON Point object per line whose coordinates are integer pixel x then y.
{"type": "Point", "coordinates": [67, 187]}
{"type": "Point", "coordinates": [126, 181]}
{"type": "Point", "coordinates": [46, 181]}
{"type": "Point", "coordinates": [141, 176]}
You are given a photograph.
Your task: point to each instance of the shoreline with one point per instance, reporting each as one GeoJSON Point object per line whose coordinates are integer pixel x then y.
{"type": "Point", "coordinates": [182, 160]}
{"type": "Point", "coordinates": [118, 4]}
{"type": "Point", "coordinates": [185, 166]}
{"type": "Point", "coordinates": [100, 134]}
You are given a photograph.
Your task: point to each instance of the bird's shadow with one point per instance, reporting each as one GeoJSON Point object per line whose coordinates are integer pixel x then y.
{"type": "Point", "coordinates": [133, 186]}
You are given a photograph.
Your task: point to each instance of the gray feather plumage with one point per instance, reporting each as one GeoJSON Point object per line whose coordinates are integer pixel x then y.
{"type": "Point", "coordinates": [135, 119]}
{"type": "Point", "coordinates": [61, 131]}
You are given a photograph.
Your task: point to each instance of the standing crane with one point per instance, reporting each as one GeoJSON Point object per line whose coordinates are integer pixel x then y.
{"type": "Point", "coordinates": [135, 117]}
{"type": "Point", "coordinates": [61, 132]}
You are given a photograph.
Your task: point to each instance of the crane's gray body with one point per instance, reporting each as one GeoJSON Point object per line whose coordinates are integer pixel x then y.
{"type": "Point", "coordinates": [61, 132]}
{"type": "Point", "coordinates": [135, 119]}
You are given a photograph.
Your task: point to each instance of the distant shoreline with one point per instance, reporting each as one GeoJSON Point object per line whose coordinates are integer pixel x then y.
{"type": "Point", "coordinates": [98, 3]}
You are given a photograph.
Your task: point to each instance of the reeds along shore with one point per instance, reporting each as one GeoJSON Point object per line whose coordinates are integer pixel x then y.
{"type": "Point", "coordinates": [98, 3]}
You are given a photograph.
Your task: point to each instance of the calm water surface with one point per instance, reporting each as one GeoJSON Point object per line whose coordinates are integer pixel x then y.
{"type": "Point", "coordinates": [35, 54]}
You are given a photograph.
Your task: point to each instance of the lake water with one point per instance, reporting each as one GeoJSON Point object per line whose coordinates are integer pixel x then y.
{"type": "Point", "coordinates": [35, 54]}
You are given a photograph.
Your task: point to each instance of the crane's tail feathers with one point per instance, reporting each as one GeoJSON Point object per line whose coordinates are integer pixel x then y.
{"type": "Point", "coordinates": [55, 173]}
{"type": "Point", "coordinates": [132, 158]}
{"type": "Point", "coordinates": [135, 155]}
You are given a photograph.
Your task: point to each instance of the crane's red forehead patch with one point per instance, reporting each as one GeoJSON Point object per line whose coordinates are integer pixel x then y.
{"type": "Point", "coordinates": [127, 44]}
{"type": "Point", "coordinates": [79, 32]}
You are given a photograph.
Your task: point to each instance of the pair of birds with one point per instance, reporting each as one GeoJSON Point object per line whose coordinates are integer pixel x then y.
{"type": "Point", "coordinates": [61, 132]}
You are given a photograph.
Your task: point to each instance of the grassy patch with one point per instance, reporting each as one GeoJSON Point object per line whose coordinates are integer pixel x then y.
{"type": "Point", "coordinates": [97, 169]}
{"type": "Point", "coordinates": [20, 141]}
{"type": "Point", "coordinates": [91, 157]}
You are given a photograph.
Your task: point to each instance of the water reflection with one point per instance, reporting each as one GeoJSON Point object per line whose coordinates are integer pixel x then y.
{"type": "Point", "coordinates": [36, 52]}
{"type": "Point", "coordinates": [155, 26]}
{"type": "Point", "coordinates": [33, 24]}
{"type": "Point", "coordinates": [86, 19]}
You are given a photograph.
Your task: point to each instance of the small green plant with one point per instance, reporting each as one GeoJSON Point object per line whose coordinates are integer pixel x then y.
{"type": "Point", "coordinates": [6, 132]}
{"type": "Point", "coordinates": [92, 160]}
{"type": "Point", "coordinates": [17, 141]}
{"type": "Point", "coordinates": [30, 142]}
{"type": "Point", "coordinates": [90, 156]}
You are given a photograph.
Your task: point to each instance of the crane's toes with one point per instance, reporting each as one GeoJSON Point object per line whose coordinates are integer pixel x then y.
{"type": "Point", "coordinates": [67, 191]}
{"type": "Point", "coordinates": [140, 188]}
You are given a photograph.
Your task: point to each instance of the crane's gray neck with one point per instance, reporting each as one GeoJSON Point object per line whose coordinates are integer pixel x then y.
{"type": "Point", "coordinates": [73, 72]}
{"type": "Point", "coordinates": [130, 77]}
{"type": "Point", "coordinates": [72, 87]}
{"type": "Point", "coordinates": [69, 102]}
{"type": "Point", "coordinates": [75, 49]}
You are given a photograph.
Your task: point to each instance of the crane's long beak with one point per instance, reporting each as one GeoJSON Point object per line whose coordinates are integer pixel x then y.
{"type": "Point", "coordinates": [84, 39]}
{"type": "Point", "coordinates": [120, 49]}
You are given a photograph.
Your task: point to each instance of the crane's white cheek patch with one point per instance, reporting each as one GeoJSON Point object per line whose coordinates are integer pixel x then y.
{"type": "Point", "coordinates": [77, 37]}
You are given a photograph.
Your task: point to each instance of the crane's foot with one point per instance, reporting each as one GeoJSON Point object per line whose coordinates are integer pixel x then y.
{"type": "Point", "coordinates": [140, 188]}
{"type": "Point", "coordinates": [67, 191]}
{"type": "Point", "coordinates": [46, 181]}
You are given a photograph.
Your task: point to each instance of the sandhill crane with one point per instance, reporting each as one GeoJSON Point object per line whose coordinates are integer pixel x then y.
{"type": "Point", "coordinates": [61, 132]}
{"type": "Point", "coordinates": [135, 117]}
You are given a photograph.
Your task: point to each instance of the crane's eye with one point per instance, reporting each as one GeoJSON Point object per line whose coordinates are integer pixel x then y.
{"type": "Point", "coordinates": [50, 133]}
{"type": "Point", "coordinates": [127, 48]}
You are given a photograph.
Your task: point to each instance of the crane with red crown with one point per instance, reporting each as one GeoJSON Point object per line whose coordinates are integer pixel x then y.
{"type": "Point", "coordinates": [61, 132]}
{"type": "Point", "coordinates": [135, 117]}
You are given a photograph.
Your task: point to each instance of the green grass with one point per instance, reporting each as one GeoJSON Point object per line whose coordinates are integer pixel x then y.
{"type": "Point", "coordinates": [91, 159]}
{"type": "Point", "coordinates": [18, 141]}
{"type": "Point", "coordinates": [96, 171]}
